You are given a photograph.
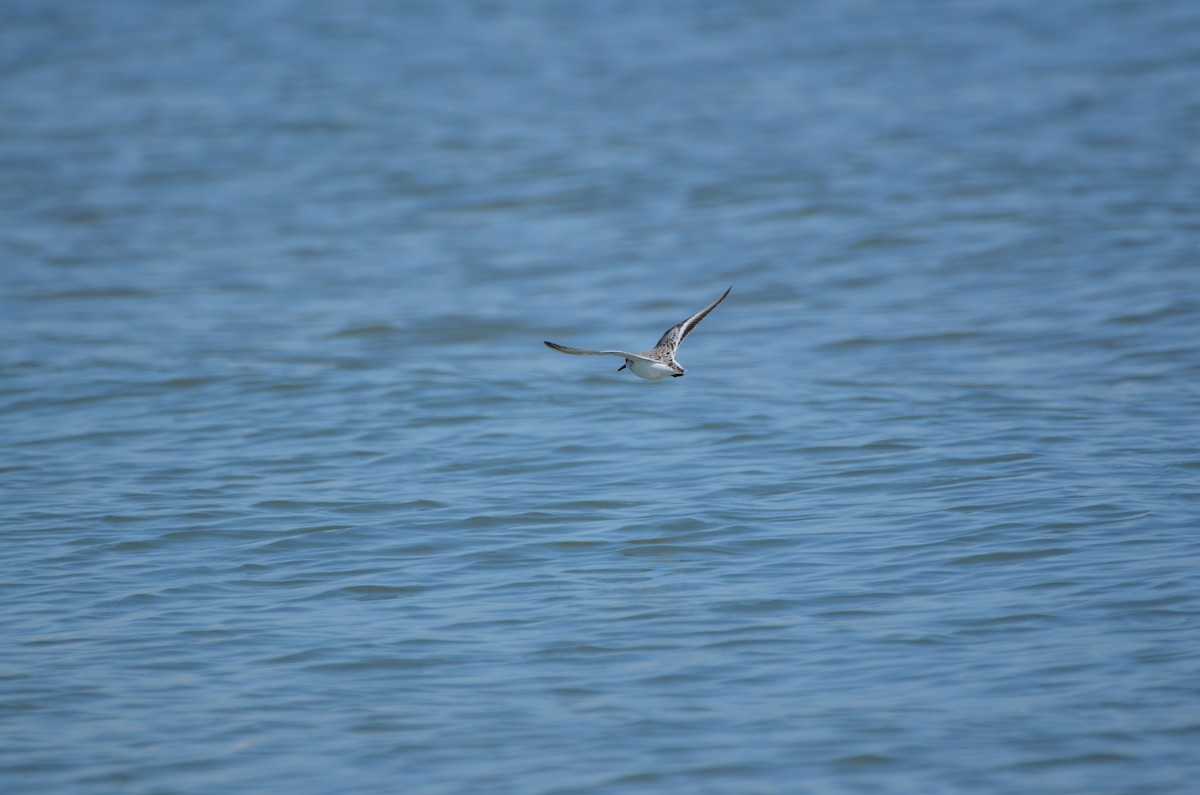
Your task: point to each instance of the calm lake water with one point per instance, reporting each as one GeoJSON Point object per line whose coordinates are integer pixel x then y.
{"type": "Point", "coordinates": [295, 500]}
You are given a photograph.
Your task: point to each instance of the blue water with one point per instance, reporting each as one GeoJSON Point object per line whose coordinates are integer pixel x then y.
{"type": "Point", "coordinates": [295, 499]}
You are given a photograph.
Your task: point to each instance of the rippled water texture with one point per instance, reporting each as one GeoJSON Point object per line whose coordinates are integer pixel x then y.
{"type": "Point", "coordinates": [295, 500]}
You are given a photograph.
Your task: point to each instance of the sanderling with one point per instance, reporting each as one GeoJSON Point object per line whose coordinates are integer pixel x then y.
{"type": "Point", "coordinates": [660, 361]}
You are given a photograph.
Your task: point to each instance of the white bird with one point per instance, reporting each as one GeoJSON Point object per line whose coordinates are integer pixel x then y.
{"type": "Point", "coordinates": [660, 361]}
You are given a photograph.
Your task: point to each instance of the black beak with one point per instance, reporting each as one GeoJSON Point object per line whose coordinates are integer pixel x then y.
{"type": "Point", "coordinates": [622, 367]}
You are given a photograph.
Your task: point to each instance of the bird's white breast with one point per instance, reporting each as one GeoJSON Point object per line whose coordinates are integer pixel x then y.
{"type": "Point", "coordinates": [650, 370]}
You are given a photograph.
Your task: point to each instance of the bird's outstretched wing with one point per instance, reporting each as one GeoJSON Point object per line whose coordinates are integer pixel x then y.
{"type": "Point", "coordinates": [673, 336]}
{"type": "Point", "coordinates": [582, 352]}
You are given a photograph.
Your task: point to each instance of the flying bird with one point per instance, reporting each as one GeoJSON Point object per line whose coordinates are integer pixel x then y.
{"type": "Point", "coordinates": [658, 362]}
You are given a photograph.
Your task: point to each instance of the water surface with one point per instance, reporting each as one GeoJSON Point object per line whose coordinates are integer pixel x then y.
{"type": "Point", "coordinates": [296, 500]}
